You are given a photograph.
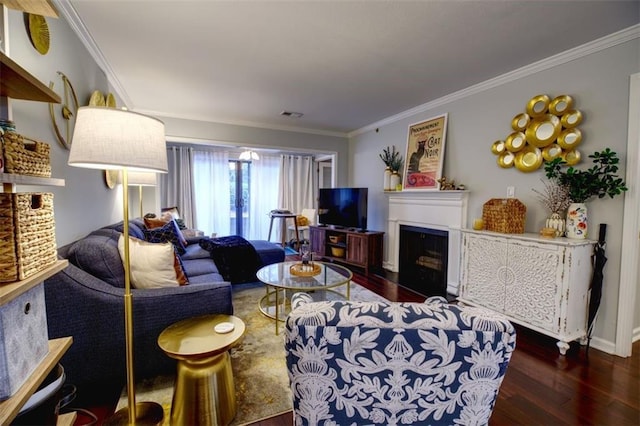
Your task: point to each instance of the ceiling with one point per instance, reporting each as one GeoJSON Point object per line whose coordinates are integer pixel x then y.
{"type": "Point", "coordinates": [343, 64]}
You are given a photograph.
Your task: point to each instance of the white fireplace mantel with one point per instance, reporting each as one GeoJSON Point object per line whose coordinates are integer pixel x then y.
{"type": "Point", "coordinates": [443, 210]}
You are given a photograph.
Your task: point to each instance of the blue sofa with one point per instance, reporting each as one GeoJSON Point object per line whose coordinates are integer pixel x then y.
{"type": "Point", "coordinates": [85, 301]}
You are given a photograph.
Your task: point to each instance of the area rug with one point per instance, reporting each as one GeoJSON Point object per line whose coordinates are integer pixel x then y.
{"type": "Point", "coordinates": [259, 368]}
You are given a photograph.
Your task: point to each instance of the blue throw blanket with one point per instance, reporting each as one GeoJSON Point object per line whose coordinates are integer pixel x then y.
{"type": "Point", "coordinates": [235, 257]}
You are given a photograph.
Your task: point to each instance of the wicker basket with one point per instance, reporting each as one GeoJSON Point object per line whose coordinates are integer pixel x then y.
{"type": "Point", "coordinates": [506, 215]}
{"type": "Point", "coordinates": [27, 234]}
{"type": "Point", "coordinates": [24, 156]}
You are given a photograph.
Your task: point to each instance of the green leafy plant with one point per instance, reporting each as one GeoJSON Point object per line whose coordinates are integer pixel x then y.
{"type": "Point", "coordinates": [391, 158]}
{"type": "Point", "coordinates": [598, 181]}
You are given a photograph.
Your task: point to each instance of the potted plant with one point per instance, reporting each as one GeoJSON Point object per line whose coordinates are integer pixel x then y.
{"type": "Point", "coordinates": [582, 185]}
{"type": "Point", "coordinates": [393, 160]}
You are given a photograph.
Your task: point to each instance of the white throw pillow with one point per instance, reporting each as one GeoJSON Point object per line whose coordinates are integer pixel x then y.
{"type": "Point", "coordinates": [152, 264]}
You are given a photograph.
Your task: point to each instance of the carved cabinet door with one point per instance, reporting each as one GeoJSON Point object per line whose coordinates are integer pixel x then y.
{"type": "Point", "coordinates": [533, 286]}
{"type": "Point", "coordinates": [484, 271]}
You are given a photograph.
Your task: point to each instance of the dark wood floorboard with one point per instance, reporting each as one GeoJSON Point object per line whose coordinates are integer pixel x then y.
{"type": "Point", "coordinates": [542, 387]}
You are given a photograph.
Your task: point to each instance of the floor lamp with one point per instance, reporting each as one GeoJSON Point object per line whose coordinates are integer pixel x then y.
{"type": "Point", "coordinates": [107, 138]}
{"type": "Point", "coordinates": [140, 179]}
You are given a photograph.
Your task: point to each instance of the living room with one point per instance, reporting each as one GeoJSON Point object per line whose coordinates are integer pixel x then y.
{"type": "Point", "coordinates": [596, 74]}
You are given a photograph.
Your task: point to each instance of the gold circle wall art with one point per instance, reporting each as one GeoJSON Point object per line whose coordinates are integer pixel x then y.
{"type": "Point", "coordinates": [547, 129]}
{"type": "Point", "coordinates": [67, 111]}
{"type": "Point", "coordinates": [38, 32]}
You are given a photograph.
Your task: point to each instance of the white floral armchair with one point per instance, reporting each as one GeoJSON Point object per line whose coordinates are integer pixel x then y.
{"type": "Point", "coordinates": [354, 363]}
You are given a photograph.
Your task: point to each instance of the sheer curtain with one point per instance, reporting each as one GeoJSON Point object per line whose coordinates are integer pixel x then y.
{"type": "Point", "coordinates": [296, 183]}
{"type": "Point", "coordinates": [176, 187]}
{"type": "Point", "coordinates": [263, 195]}
{"type": "Point", "coordinates": [212, 191]}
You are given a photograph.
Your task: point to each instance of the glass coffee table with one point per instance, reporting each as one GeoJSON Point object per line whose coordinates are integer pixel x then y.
{"type": "Point", "coordinates": [281, 284]}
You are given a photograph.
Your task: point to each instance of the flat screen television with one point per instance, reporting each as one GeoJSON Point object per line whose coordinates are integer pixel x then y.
{"type": "Point", "coordinates": [343, 207]}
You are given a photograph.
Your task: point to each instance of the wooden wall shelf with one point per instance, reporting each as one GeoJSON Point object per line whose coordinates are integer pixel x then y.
{"type": "Point", "coordinates": [10, 408]}
{"type": "Point", "coordinates": [18, 83]}
{"type": "Point", "coordinates": [10, 291]}
{"type": "Point", "coordinates": [37, 7]}
{"type": "Point", "coordinates": [9, 178]}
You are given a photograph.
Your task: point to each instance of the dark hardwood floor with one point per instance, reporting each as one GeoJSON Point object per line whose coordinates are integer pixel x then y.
{"type": "Point", "coordinates": [542, 387]}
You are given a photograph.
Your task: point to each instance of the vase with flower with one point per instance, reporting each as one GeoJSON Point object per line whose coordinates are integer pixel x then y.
{"type": "Point", "coordinates": [555, 198]}
{"type": "Point", "coordinates": [393, 160]}
{"type": "Point", "coordinates": [600, 180]}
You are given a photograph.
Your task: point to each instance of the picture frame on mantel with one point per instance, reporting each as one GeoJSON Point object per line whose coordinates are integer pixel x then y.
{"type": "Point", "coordinates": [425, 154]}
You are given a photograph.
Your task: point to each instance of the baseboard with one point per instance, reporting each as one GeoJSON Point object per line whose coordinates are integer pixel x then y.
{"type": "Point", "coordinates": [603, 345]}
{"type": "Point", "coordinates": [610, 347]}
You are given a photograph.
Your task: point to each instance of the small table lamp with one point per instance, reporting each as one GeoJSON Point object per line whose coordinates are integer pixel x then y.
{"type": "Point", "coordinates": [107, 138]}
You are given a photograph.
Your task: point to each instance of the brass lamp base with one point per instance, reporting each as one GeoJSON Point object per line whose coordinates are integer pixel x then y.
{"type": "Point", "coordinates": [147, 413]}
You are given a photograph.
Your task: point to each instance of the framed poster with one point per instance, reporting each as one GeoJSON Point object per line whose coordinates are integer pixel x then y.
{"type": "Point", "coordinates": [425, 154]}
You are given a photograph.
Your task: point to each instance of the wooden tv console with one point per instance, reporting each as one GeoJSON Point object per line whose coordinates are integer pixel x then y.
{"type": "Point", "coordinates": [346, 245]}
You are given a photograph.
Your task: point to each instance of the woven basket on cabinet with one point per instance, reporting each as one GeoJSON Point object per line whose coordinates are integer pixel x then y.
{"type": "Point", "coordinates": [27, 234]}
{"type": "Point", "coordinates": [506, 215]}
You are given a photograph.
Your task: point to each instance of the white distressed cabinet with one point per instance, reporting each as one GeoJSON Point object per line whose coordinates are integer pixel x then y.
{"type": "Point", "coordinates": [539, 283]}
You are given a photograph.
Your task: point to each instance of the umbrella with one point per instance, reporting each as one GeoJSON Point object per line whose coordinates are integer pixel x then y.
{"type": "Point", "coordinates": [599, 259]}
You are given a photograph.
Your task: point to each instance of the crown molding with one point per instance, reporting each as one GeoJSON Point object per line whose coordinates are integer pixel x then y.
{"type": "Point", "coordinates": [595, 46]}
{"type": "Point", "coordinates": [71, 16]}
{"type": "Point", "coordinates": [245, 123]}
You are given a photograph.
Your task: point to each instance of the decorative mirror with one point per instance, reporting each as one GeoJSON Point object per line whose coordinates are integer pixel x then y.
{"type": "Point", "coordinates": [515, 141]}
{"type": "Point", "coordinates": [520, 122]}
{"type": "Point", "coordinates": [497, 147]}
{"type": "Point", "coordinates": [570, 138]}
{"type": "Point", "coordinates": [545, 131]}
{"type": "Point", "coordinates": [505, 160]}
{"type": "Point", "coordinates": [571, 119]}
{"type": "Point", "coordinates": [529, 159]}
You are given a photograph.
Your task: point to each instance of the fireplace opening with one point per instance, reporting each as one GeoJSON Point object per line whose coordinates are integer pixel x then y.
{"type": "Point", "coordinates": [423, 260]}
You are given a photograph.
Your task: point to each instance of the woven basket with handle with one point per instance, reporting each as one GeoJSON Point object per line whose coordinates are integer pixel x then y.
{"type": "Point", "coordinates": [24, 156]}
{"type": "Point", "coordinates": [506, 215]}
{"type": "Point", "coordinates": [27, 234]}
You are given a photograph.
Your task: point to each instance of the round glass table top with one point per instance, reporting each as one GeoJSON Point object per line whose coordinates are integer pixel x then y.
{"type": "Point", "coordinates": [279, 275]}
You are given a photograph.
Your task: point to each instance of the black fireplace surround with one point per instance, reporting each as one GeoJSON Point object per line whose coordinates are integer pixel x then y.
{"type": "Point", "coordinates": [423, 260]}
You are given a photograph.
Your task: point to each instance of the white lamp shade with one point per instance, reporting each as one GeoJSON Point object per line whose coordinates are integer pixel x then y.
{"type": "Point", "coordinates": [108, 138]}
{"type": "Point", "coordinates": [139, 178]}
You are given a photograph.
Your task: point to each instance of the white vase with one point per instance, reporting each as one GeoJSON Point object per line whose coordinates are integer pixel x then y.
{"type": "Point", "coordinates": [395, 181]}
{"type": "Point", "coordinates": [576, 226]}
{"type": "Point", "coordinates": [387, 179]}
{"type": "Point", "coordinates": [557, 222]}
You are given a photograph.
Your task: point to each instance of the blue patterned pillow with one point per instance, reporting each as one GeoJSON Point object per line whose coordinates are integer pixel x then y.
{"type": "Point", "coordinates": [169, 232]}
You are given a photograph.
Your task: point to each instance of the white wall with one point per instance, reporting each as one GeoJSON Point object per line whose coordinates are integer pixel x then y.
{"type": "Point", "coordinates": [85, 202]}
{"type": "Point", "coordinates": [599, 84]}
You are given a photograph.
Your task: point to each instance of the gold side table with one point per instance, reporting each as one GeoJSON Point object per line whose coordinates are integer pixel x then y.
{"type": "Point", "coordinates": [204, 392]}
